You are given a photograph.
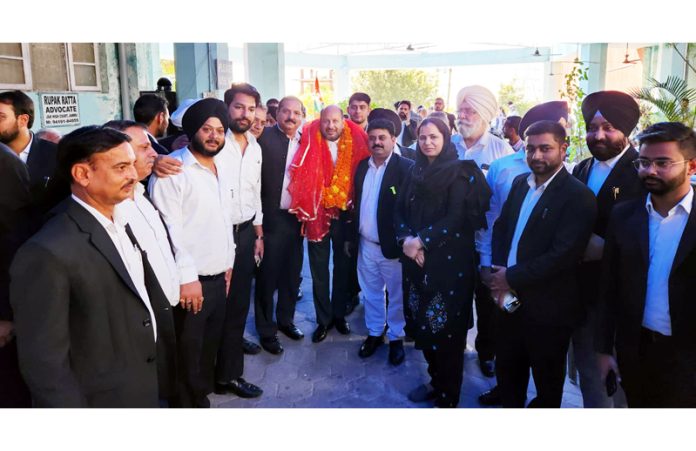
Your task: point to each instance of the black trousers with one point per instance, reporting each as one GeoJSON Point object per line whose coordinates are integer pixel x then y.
{"type": "Point", "coordinates": [230, 359]}
{"type": "Point", "coordinates": [280, 270]}
{"type": "Point", "coordinates": [446, 368]}
{"type": "Point", "coordinates": [198, 341]}
{"type": "Point", "coordinates": [521, 346]}
{"type": "Point", "coordinates": [13, 390]}
{"type": "Point", "coordinates": [665, 375]}
{"type": "Point", "coordinates": [485, 321]}
{"type": "Point", "coordinates": [330, 304]}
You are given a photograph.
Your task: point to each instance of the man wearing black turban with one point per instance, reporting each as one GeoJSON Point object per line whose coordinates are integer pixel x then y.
{"type": "Point", "coordinates": [198, 218]}
{"type": "Point", "coordinates": [610, 116]}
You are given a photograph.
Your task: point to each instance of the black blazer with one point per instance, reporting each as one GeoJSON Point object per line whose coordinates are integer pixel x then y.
{"type": "Point", "coordinates": [41, 163]}
{"type": "Point", "coordinates": [159, 148]}
{"type": "Point", "coordinates": [396, 172]}
{"type": "Point", "coordinates": [15, 203]}
{"type": "Point", "coordinates": [550, 248]}
{"type": "Point", "coordinates": [407, 152]}
{"type": "Point", "coordinates": [274, 152]}
{"type": "Point", "coordinates": [622, 184]}
{"type": "Point", "coordinates": [623, 285]}
{"type": "Point", "coordinates": [409, 133]}
{"type": "Point", "coordinates": [84, 335]}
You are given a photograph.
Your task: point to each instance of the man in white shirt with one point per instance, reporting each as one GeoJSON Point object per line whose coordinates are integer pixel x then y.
{"type": "Point", "coordinates": [197, 207]}
{"type": "Point", "coordinates": [646, 302]}
{"type": "Point", "coordinates": [87, 326]}
{"type": "Point", "coordinates": [476, 107]}
{"type": "Point", "coordinates": [243, 155]}
{"type": "Point", "coordinates": [151, 234]}
{"type": "Point", "coordinates": [538, 240]}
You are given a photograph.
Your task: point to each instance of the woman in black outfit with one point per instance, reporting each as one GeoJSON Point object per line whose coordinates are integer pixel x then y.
{"type": "Point", "coordinates": [440, 206]}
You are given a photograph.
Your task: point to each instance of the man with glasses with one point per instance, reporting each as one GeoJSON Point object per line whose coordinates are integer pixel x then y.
{"type": "Point", "coordinates": [646, 302]}
{"type": "Point", "coordinates": [610, 116]}
{"type": "Point", "coordinates": [476, 107]}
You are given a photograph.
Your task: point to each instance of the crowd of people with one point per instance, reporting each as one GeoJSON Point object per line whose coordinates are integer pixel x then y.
{"type": "Point", "coordinates": [128, 257]}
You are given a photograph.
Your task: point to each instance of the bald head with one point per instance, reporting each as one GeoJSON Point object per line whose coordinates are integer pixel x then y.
{"type": "Point", "coordinates": [331, 123]}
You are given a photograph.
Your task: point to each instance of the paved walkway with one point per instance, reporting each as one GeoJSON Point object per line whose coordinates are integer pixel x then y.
{"type": "Point", "coordinates": [330, 373]}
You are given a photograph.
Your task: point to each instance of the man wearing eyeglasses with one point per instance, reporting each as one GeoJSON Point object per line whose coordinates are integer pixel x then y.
{"type": "Point", "coordinates": [646, 303]}
{"type": "Point", "coordinates": [610, 117]}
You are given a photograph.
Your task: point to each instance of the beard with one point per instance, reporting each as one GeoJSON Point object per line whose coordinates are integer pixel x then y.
{"type": "Point", "coordinates": [10, 135]}
{"type": "Point", "coordinates": [468, 130]}
{"type": "Point", "coordinates": [240, 125]}
{"type": "Point", "coordinates": [198, 145]}
{"type": "Point", "coordinates": [605, 149]}
{"type": "Point", "coordinates": [659, 186]}
{"type": "Point", "coordinates": [403, 115]}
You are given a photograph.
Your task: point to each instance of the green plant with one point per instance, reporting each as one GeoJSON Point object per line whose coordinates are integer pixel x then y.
{"type": "Point", "coordinates": [672, 98]}
{"type": "Point", "coordinates": [574, 93]}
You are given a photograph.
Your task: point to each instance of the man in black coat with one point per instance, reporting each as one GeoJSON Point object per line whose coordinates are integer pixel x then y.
{"type": "Point", "coordinates": [646, 304]}
{"type": "Point", "coordinates": [407, 134]}
{"type": "Point", "coordinates": [16, 120]}
{"type": "Point", "coordinates": [86, 326]}
{"type": "Point", "coordinates": [377, 181]}
{"type": "Point", "coordinates": [538, 241]}
{"type": "Point", "coordinates": [610, 116]}
{"type": "Point", "coordinates": [282, 262]}
{"type": "Point", "coordinates": [15, 202]}
{"type": "Point", "coordinates": [151, 110]}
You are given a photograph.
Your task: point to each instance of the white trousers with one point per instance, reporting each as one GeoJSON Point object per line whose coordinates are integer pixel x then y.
{"type": "Point", "coordinates": [374, 274]}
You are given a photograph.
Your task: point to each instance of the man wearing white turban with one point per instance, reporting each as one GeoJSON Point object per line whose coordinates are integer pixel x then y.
{"type": "Point", "coordinates": [476, 107]}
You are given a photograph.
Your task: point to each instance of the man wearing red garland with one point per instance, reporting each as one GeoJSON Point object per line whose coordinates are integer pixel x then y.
{"type": "Point", "coordinates": [321, 187]}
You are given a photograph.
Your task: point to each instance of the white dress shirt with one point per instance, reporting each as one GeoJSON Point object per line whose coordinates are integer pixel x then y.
{"type": "Point", "coordinates": [246, 175]}
{"type": "Point", "coordinates": [369, 200]}
{"type": "Point", "coordinates": [149, 230]}
{"type": "Point", "coordinates": [24, 154]}
{"type": "Point", "coordinates": [293, 144]}
{"type": "Point", "coordinates": [665, 235]}
{"type": "Point", "coordinates": [600, 171]}
{"type": "Point", "coordinates": [130, 255]}
{"type": "Point", "coordinates": [197, 208]}
{"type": "Point", "coordinates": [484, 152]}
{"type": "Point", "coordinates": [333, 150]}
{"type": "Point", "coordinates": [519, 146]}
{"type": "Point", "coordinates": [530, 200]}
{"type": "Point", "coordinates": [500, 177]}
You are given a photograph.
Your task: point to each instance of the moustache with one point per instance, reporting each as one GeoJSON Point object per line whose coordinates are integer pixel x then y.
{"type": "Point", "coordinates": [290, 121]}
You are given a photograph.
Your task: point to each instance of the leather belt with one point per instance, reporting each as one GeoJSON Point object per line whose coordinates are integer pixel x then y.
{"type": "Point", "coordinates": [242, 225]}
{"type": "Point", "coordinates": [213, 277]}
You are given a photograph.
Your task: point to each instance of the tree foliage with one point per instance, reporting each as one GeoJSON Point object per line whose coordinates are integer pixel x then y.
{"type": "Point", "coordinates": [510, 92]}
{"type": "Point", "coordinates": [672, 98]}
{"type": "Point", "coordinates": [388, 86]}
{"type": "Point", "coordinates": [574, 94]}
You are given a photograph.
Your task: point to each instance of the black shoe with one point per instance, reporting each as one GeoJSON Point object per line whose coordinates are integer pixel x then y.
{"type": "Point", "coordinates": [370, 345]}
{"type": "Point", "coordinates": [342, 326]}
{"type": "Point", "coordinates": [320, 333]}
{"type": "Point", "coordinates": [396, 352]}
{"type": "Point", "coordinates": [490, 397]}
{"type": "Point", "coordinates": [292, 331]}
{"type": "Point", "coordinates": [272, 345]}
{"type": "Point", "coordinates": [487, 367]}
{"type": "Point", "coordinates": [244, 389]}
{"type": "Point", "coordinates": [250, 348]}
{"type": "Point", "coordinates": [422, 393]}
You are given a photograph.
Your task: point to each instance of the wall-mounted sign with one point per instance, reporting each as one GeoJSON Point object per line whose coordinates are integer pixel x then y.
{"type": "Point", "coordinates": [59, 110]}
{"type": "Point", "coordinates": [224, 74]}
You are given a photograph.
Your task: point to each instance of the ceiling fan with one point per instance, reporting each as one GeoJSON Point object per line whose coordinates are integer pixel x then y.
{"type": "Point", "coordinates": [538, 53]}
{"type": "Point", "coordinates": [412, 48]}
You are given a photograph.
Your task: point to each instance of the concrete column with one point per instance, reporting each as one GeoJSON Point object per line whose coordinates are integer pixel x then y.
{"type": "Point", "coordinates": [671, 63]}
{"type": "Point", "coordinates": [265, 68]}
{"type": "Point", "coordinates": [195, 69]}
{"type": "Point", "coordinates": [342, 83]}
{"type": "Point", "coordinates": [595, 56]}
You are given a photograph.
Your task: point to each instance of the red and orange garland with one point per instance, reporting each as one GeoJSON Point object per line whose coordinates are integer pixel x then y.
{"type": "Point", "coordinates": [318, 189]}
